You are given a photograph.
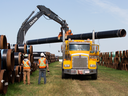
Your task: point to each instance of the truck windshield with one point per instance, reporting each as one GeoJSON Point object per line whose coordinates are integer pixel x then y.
{"type": "Point", "coordinates": [84, 47]}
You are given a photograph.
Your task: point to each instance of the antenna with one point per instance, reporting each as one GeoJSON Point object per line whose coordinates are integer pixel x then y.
{"type": "Point", "coordinates": [93, 37]}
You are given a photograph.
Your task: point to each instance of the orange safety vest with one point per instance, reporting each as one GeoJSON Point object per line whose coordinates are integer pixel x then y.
{"type": "Point", "coordinates": [42, 63]}
{"type": "Point", "coordinates": [26, 64]}
{"type": "Point", "coordinates": [69, 32]}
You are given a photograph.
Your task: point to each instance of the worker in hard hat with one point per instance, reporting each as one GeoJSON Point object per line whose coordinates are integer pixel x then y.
{"type": "Point", "coordinates": [43, 64]}
{"type": "Point", "coordinates": [26, 69]}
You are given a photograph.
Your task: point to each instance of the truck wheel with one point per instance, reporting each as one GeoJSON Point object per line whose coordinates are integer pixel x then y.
{"type": "Point", "coordinates": [63, 75]}
{"type": "Point", "coordinates": [94, 76]}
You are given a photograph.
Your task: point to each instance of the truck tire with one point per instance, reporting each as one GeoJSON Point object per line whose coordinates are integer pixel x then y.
{"type": "Point", "coordinates": [94, 76]}
{"type": "Point", "coordinates": [64, 76]}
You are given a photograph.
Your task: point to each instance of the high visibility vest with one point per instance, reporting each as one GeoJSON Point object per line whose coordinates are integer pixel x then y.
{"type": "Point", "coordinates": [26, 64]}
{"type": "Point", "coordinates": [42, 63]}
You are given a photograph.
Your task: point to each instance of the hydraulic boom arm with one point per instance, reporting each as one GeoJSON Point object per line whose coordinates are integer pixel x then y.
{"type": "Point", "coordinates": [29, 22]}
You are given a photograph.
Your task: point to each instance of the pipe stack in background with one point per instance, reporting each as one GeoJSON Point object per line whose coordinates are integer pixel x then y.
{"type": "Point", "coordinates": [117, 60]}
{"type": "Point", "coordinates": [57, 58]}
{"type": "Point", "coordinates": [50, 57]}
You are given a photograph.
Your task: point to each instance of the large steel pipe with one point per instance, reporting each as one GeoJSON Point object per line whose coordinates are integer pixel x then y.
{"type": "Point", "coordinates": [22, 48]}
{"type": "Point", "coordinates": [0, 61]}
{"type": "Point", "coordinates": [8, 45]}
{"type": "Point", "coordinates": [3, 81]}
{"type": "Point", "coordinates": [36, 54]}
{"type": "Point", "coordinates": [29, 49]}
{"type": "Point", "coordinates": [17, 73]}
{"type": "Point", "coordinates": [98, 35]}
{"type": "Point", "coordinates": [11, 76]}
{"type": "Point", "coordinates": [3, 42]}
{"type": "Point", "coordinates": [15, 47]}
{"type": "Point", "coordinates": [36, 59]}
{"type": "Point", "coordinates": [18, 58]}
{"type": "Point", "coordinates": [7, 59]}
{"type": "Point", "coordinates": [30, 57]}
{"type": "Point", "coordinates": [21, 73]}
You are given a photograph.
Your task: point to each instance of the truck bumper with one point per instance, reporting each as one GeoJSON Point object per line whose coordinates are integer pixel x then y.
{"type": "Point", "coordinates": [80, 71]}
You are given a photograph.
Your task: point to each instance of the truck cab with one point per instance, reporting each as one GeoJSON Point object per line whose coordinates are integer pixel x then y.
{"type": "Point", "coordinates": [81, 57]}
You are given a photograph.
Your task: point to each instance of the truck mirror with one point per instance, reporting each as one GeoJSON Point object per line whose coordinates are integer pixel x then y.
{"type": "Point", "coordinates": [95, 48]}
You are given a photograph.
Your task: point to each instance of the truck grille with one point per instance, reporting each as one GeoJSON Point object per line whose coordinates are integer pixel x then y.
{"type": "Point", "coordinates": [80, 62]}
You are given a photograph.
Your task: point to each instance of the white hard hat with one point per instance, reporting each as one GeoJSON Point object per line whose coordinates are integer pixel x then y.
{"type": "Point", "coordinates": [42, 54]}
{"type": "Point", "coordinates": [26, 55]}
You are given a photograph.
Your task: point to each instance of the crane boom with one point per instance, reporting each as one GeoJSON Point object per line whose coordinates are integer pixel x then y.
{"type": "Point", "coordinates": [30, 21]}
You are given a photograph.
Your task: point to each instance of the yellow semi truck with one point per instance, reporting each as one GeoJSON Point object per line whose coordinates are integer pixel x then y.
{"type": "Point", "coordinates": [80, 58]}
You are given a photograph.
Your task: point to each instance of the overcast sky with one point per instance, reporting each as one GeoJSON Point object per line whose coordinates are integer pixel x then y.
{"type": "Point", "coordinates": [82, 16]}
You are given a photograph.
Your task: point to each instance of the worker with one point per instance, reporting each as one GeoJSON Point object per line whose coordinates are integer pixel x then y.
{"type": "Point", "coordinates": [69, 32]}
{"type": "Point", "coordinates": [60, 35]}
{"type": "Point", "coordinates": [26, 69]}
{"type": "Point", "coordinates": [43, 64]}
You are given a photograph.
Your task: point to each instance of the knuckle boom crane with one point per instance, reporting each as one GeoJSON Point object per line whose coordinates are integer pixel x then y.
{"type": "Point", "coordinates": [30, 21]}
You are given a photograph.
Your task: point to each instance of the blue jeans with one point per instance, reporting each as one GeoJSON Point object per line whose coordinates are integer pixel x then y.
{"type": "Point", "coordinates": [42, 75]}
{"type": "Point", "coordinates": [42, 72]}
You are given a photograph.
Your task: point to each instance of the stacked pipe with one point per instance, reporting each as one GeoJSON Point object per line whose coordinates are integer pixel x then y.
{"type": "Point", "coordinates": [116, 60]}
{"type": "Point", "coordinates": [52, 58]}
{"type": "Point", "coordinates": [19, 51]}
{"type": "Point", "coordinates": [11, 69]}
{"type": "Point", "coordinates": [48, 57]}
{"type": "Point", "coordinates": [10, 62]}
{"type": "Point", "coordinates": [57, 58]}
{"type": "Point", "coordinates": [37, 56]}
{"type": "Point", "coordinates": [18, 56]}
{"type": "Point", "coordinates": [6, 64]}
{"type": "Point", "coordinates": [124, 60]}
{"type": "Point", "coordinates": [26, 49]}
{"type": "Point", "coordinates": [33, 65]}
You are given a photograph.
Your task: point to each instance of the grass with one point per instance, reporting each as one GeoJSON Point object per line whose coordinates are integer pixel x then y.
{"type": "Point", "coordinates": [110, 82]}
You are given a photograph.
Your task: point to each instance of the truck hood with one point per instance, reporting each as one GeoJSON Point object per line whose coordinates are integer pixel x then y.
{"type": "Point", "coordinates": [77, 53]}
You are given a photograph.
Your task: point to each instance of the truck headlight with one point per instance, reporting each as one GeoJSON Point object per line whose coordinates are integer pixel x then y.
{"type": "Point", "coordinates": [92, 65]}
{"type": "Point", "coordinates": [67, 65]}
